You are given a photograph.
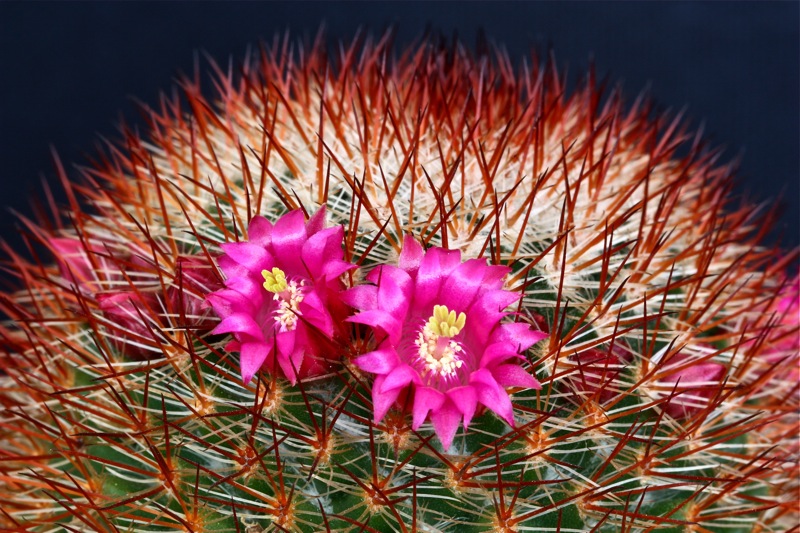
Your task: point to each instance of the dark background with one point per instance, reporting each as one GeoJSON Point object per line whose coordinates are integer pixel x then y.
{"type": "Point", "coordinates": [69, 70]}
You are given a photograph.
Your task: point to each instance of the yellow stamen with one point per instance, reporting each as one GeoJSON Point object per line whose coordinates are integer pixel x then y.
{"type": "Point", "coordinates": [275, 281]}
{"type": "Point", "coordinates": [439, 357]}
{"type": "Point", "coordinates": [445, 323]}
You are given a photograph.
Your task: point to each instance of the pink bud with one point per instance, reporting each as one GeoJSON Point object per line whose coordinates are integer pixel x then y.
{"type": "Point", "coordinates": [691, 384]}
{"type": "Point", "coordinates": [127, 313]}
{"type": "Point", "coordinates": [597, 369]}
{"type": "Point", "coordinates": [195, 277]}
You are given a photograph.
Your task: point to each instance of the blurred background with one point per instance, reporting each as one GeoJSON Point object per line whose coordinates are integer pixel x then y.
{"type": "Point", "coordinates": [70, 71]}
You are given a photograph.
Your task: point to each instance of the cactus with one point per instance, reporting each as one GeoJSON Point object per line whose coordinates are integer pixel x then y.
{"type": "Point", "coordinates": [655, 388]}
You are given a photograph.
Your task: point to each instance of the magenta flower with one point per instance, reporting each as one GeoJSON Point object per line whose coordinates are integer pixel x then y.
{"type": "Point", "coordinates": [282, 297]}
{"type": "Point", "coordinates": [437, 326]}
{"type": "Point", "coordinates": [195, 277]}
{"type": "Point", "coordinates": [127, 312]}
{"type": "Point", "coordinates": [787, 330]}
{"type": "Point", "coordinates": [690, 384]}
{"type": "Point", "coordinates": [596, 370]}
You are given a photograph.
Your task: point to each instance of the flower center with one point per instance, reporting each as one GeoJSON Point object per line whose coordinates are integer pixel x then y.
{"type": "Point", "coordinates": [287, 294]}
{"type": "Point", "coordinates": [437, 351]}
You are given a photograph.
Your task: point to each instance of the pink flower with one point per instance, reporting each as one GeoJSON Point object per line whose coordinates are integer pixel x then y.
{"type": "Point", "coordinates": [787, 330]}
{"type": "Point", "coordinates": [776, 335]}
{"type": "Point", "coordinates": [282, 297]}
{"type": "Point", "coordinates": [691, 385]}
{"type": "Point", "coordinates": [75, 265]}
{"type": "Point", "coordinates": [195, 277]}
{"type": "Point", "coordinates": [128, 312]}
{"type": "Point", "coordinates": [597, 369]}
{"type": "Point", "coordinates": [436, 321]}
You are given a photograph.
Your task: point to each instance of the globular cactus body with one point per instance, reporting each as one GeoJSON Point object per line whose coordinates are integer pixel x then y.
{"type": "Point", "coordinates": [663, 334]}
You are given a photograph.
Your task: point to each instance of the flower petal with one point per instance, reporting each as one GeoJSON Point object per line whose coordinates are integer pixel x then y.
{"type": "Point", "coordinates": [322, 251]}
{"type": "Point", "coordinates": [315, 314]}
{"type": "Point", "coordinates": [381, 361]}
{"type": "Point", "coordinates": [399, 377]}
{"type": "Point", "coordinates": [251, 356]}
{"type": "Point", "coordinates": [411, 255]}
{"type": "Point", "coordinates": [381, 320]}
{"type": "Point", "coordinates": [425, 399]}
{"type": "Point", "coordinates": [226, 302]}
{"type": "Point", "coordinates": [463, 284]}
{"type": "Point", "coordinates": [519, 334]}
{"type": "Point", "coordinates": [251, 256]}
{"type": "Point", "coordinates": [316, 222]}
{"type": "Point", "coordinates": [289, 355]}
{"type": "Point", "coordinates": [288, 236]}
{"type": "Point", "coordinates": [241, 324]}
{"type": "Point", "coordinates": [497, 353]}
{"type": "Point", "coordinates": [382, 401]}
{"type": "Point", "coordinates": [445, 422]}
{"type": "Point", "coordinates": [494, 303]}
{"type": "Point", "coordinates": [361, 297]}
{"type": "Point", "coordinates": [394, 292]}
{"type": "Point", "coordinates": [466, 400]}
{"type": "Point", "coordinates": [492, 395]}
{"type": "Point", "coordinates": [259, 231]}
{"type": "Point", "coordinates": [514, 376]}
{"type": "Point", "coordinates": [433, 269]}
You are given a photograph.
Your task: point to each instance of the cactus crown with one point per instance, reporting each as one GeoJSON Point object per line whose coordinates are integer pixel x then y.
{"type": "Point", "coordinates": [620, 277]}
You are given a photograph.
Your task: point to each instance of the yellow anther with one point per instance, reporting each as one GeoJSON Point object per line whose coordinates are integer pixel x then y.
{"type": "Point", "coordinates": [274, 281]}
{"type": "Point", "coordinates": [445, 323]}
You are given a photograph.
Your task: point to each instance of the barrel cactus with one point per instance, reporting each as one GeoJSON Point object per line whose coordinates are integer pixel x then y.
{"type": "Point", "coordinates": [415, 290]}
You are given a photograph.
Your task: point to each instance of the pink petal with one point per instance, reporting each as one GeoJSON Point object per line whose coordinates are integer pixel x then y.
{"type": "Point", "coordinates": [394, 292]}
{"type": "Point", "coordinates": [251, 356]}
{"type": "Point", "coordinates": [466, 400]}
{"type": "Point", "coordinates": [290, 365]}
{"type": "Point", "coordinates": [361, 297]}
{"type": "Point", "coordinates": [487, 311]}
{"type": "Point", "coordinates": [251, 256]}
{"type": "Point", "coordinates": [411, 255]}
{"type": "Point", "coordinates": [227, 302]}
{"type": "Point", "coordinates": [259, 231]}
{"type": "Point", "coordinates": [382, 401]}
{"type": "Point", "coordinates": [322, 249]}
{"type": "Point", "coordinates": [433, 269]}
{"type": "Point", "coordinates": [248, 287]}
{"type": "Point", "coordinates": [73, 261]}
{"type": "Point", "coordinates": [382, 321]}
{"type": "Point", "coordinates": [285, 341]}
{"type": "Point", "coordinates": [445, 423]}
{"type": "Point", "coordinates": [399, 377]}
{"type": "Point", "coordinates": [242, 324]}
{"type": "Point", "coordinates": [492, 395]}
{"type": "Point", "coordinates": [317, 221]}
{"type": "Point", "coordinates": [696, 372]}
{"type": "Point", "coordinates": [314, 313]}
{"type": "Point", "coordinates": [463, 284]}
{"type": "Point", "coordinates": [231, 268]}
{"type": "Point", "coordinates": [494, 276]}
{"type": "Point", "coordinates": [233, 346]}
{"type": "Point", "coordinates": [493, 304]}
{"type": "Point", "coordinates": [381, 361]}
{"type": "Point", "coordinates": [496, 353]}
{"type": "Point", "coordinates": [425, 399]}
{"type": "Point", "coordinates": [514, 376]}
{"type": "Point", "coordinates": [288, 236]}
{"type": "Point", "coordinates": [518, 334]}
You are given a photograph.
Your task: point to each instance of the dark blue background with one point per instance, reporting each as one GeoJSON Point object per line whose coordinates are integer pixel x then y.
{"type": "Point", "coordinates": [69, 70]}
